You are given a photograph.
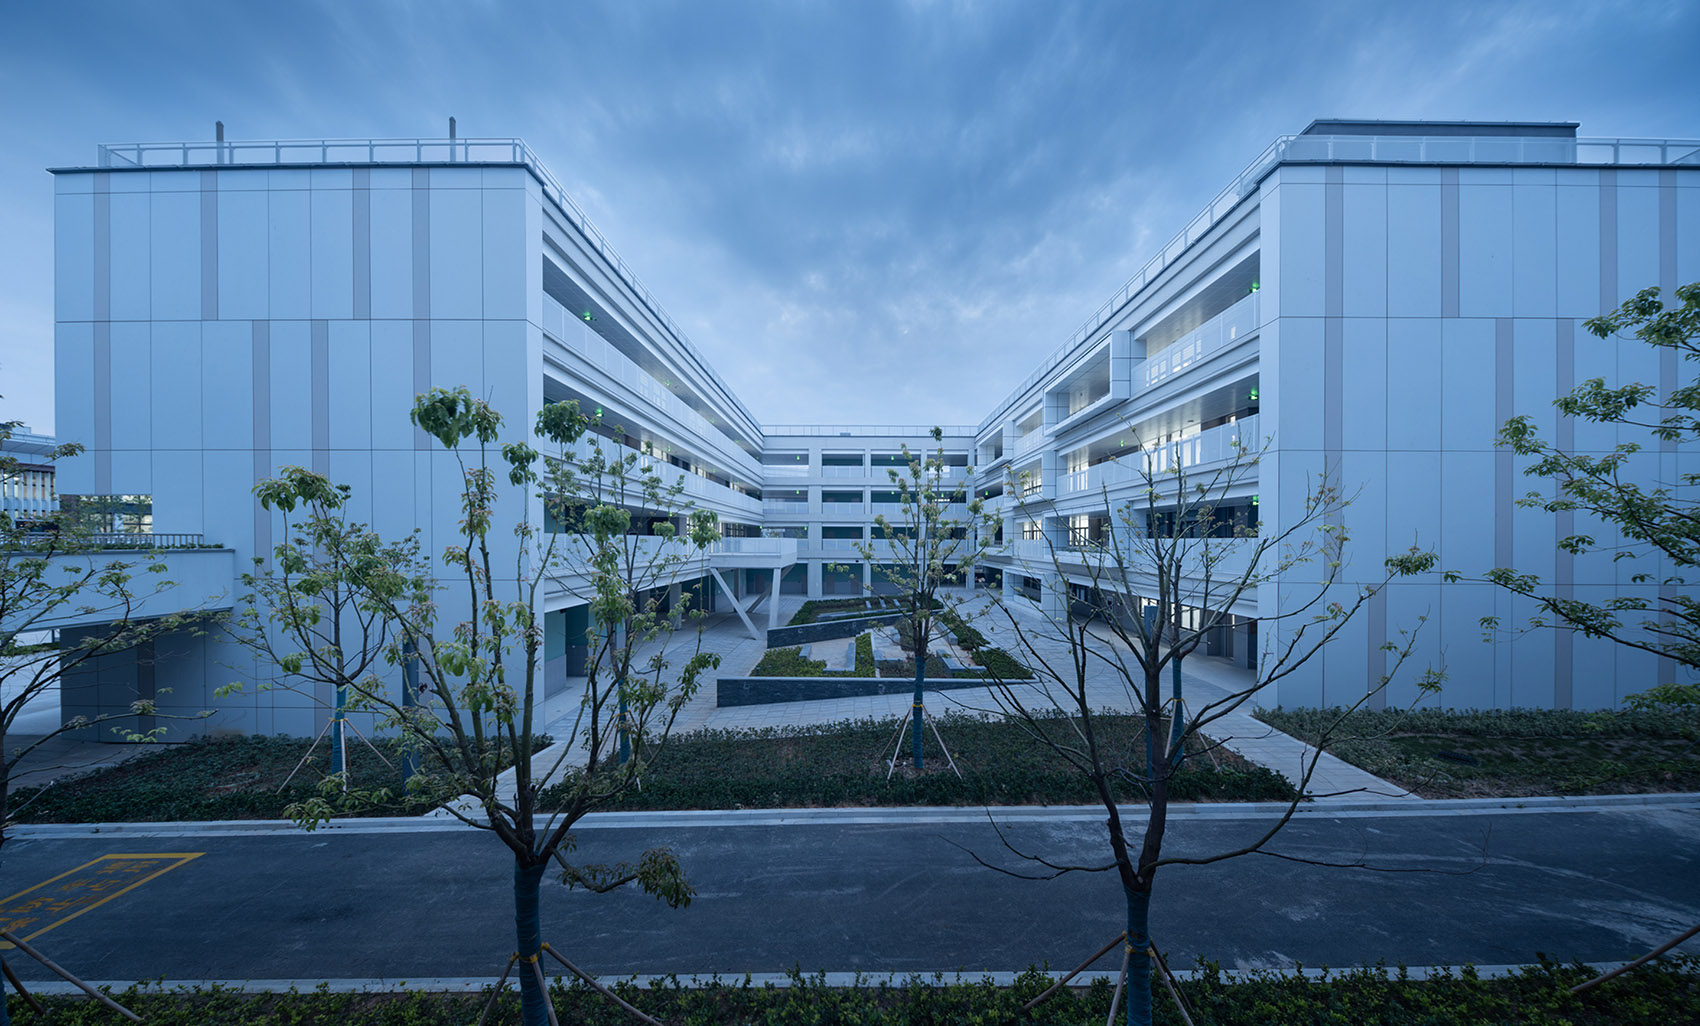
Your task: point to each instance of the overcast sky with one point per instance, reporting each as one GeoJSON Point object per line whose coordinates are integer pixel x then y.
{"type": "Point", "coordinates": [859, 211]}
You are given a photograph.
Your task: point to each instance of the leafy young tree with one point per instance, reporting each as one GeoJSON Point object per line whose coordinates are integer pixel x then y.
{"type": "Point", "coordinates": [309, 609]}
{"type": "Point", "coordinates": [927, 548]}
{"type": "Point", "coordinates": [481, 676]}
{"type": "Point", "coordinates": [1656, 517]}
{"type": "Point", "coordinates": [1182, 545]}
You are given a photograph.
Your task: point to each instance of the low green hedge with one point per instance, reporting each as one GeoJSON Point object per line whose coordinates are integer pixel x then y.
{"type": "Point", "coordinates": [1511, 753]}
{"type": "Point", "coordinates": [840, 765]}
{"type": "Point", "coordinates": [1662, 992]}
{"type": "Point", "coordinates": [790, 662]}
{"type": "Point", "coordinates": [211, 778]}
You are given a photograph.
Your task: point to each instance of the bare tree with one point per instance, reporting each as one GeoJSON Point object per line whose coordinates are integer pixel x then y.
{"type": "Point", "coordinates": [1163, 571]}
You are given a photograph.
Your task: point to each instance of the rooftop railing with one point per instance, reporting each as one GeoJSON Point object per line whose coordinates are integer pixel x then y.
{"type": "Point", "coordinates": [883, 430]}
{"type": "Point", "coordinates": [1371, 148]}
{"type": "Point", "coordinates": [299, 152]}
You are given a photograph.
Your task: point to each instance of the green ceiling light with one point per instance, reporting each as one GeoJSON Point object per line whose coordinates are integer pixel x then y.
{"type": "Point", "coordinates": [589, 317]}
{"type": "Point", "coordinates": [1253, 395]}
{"type": "Point", "coordinates": [1254, 500]}
{"type": "Point", "coordinates": [1254, 286]}
{"type": "Point", "coordinates": [599, 411]}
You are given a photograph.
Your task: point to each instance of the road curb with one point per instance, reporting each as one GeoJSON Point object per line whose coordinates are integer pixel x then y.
{"type": "Point", "coordinates": [997, 977]}
{"type": "Point", "coordinates": [1393, 808]}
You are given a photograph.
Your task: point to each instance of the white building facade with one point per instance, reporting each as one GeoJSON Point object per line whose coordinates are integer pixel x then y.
{"type": "Point", "coordinates": [1373, 299]}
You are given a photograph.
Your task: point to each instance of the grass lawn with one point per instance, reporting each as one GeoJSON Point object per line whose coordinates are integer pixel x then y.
{"type": "Point", "coordinates": [836, 765]}
{"type": "Point", "coordinates": [841, 765]}
{"type": "Point", "coordinates": [1513, 753]}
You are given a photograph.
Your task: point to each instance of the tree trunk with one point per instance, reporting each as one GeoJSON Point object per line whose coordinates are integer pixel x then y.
{"type": "Point", "coordinates": [1138, 1000]}
{"type": "Point", "coordinates": [528, 938]}
{"type": "Point", "coordinates": [920, 688]}
{"type": "Point", "coordinates": [339, 747]}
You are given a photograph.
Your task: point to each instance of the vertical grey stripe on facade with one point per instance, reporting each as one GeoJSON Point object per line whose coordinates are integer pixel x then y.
{"type": "Point", "coordinates": [1564, 567]}
{"type": "Point", "coordinates": [1608, 240]}
{"type": "Point", "coordinates": [1448, 242]}
{"type": "Point", "coordinates": [103, 407]}
{"type": "Point", "coordinates": [421, 242]}
{"type": "Point", "coordinates": [1377, 664]}
{"type": "Point", "coordinates": [102, 252]}
{"type": "Point", "coordinates": [1503, 410]}
{"type": "Point", "coordinates": [421, 374]}
{"type": "Point", "coordinates": [261, 358]}
{"type": "Point", "coordinates": [421, 291]}
{"type": "Point", "coordinates": [209, 245]}
{"type": "Point", "coordinates": [102, 441]}
{"type": "Point", "coordinates": [321, 344]}
{"type": "Point", "coordinates": [1333, 285]}
{"type": "Point", "coordinates": [362, 244]}
{"type": "Point", "coordinates": [1667, 361]}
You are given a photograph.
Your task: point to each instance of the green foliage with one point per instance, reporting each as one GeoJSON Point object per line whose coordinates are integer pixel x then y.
{"type": "Point", "coordinates": [838, 765]}
{"type": "Point", "coordinates": [788, 662]}
{"type": "Point", "coordinates": [966, 634]}
{"type": "Point", "coordinates": [1002, 665]}
{"type": "Point", "coordinates": [221, 778]}
{"type": "Point", "coordinates": [1508, 753]}
{"type": "Point", "coordinates": [1537, 995]}
{"type": "Point", "coordinates": [814, 609]}
{"type": "Point", "coordinates": [1655, 517]}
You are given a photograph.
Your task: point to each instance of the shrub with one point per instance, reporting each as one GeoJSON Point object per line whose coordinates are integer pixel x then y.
{"type": "Point", "coordinates": [788, 662]}
{"type": "Point", "coordinates": [838, 764]}
{"type": "Point", "coordinates": [1663, 992]}
{"type": "Point", "coordinates": [1002, 665]}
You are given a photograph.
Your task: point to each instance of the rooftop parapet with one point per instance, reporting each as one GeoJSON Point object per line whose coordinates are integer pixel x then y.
{"type": "Point", "coordinates": [1356, 142]}
{"type": "Point", "coordinates": [295, 153]}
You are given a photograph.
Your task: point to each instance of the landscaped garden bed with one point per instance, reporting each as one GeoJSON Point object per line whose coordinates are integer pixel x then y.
{"type": "Point", "coordinates": [819, 610]}
{"type": "Point", "coordinates": [1662, 992]}
{"type": "Point", "coordinates": [213, 778]}
{"type": "Point", "coordinates": [822, 766]}
{"type": "Point", "coordinates": [840, 765]}
{"type": "Point", "coordinates": [1516, 753]}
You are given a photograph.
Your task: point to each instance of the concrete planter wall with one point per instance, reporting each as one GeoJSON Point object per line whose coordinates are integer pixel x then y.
{"type": "Point", "coordinates": [730, 691]}
{"type": "Point", "coordinates": [827, 630]}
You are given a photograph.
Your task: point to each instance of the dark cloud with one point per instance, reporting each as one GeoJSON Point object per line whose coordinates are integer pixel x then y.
{"type": "Point", "coordinates": [861, 212]}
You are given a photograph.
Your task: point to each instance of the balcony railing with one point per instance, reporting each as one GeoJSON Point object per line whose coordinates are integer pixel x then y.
{"type": "Point", "coordinates": [573, 334]}
{"type": "Point", "coordinates": [783, 506]}
{"type": "Point", "coordinates": [125, 540]}
{"type": "Point", "coordinates": [851, 472]}
{"type": "Point", "coordinates": [1212, 445]}
{"type": "Point", "coordinates": [1402, 149]}
{"type": "Point", "coordinates": [1209, 338]}
{"type": "Point", "coordinates": [772, 470]}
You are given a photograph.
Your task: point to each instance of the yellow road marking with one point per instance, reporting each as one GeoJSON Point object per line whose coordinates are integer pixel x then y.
{"type": "Point", "coordinates": [78, 890]}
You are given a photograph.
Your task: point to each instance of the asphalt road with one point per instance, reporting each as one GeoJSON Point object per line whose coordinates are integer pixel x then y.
{"type": "Point", "coordinates": [829, 895]}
